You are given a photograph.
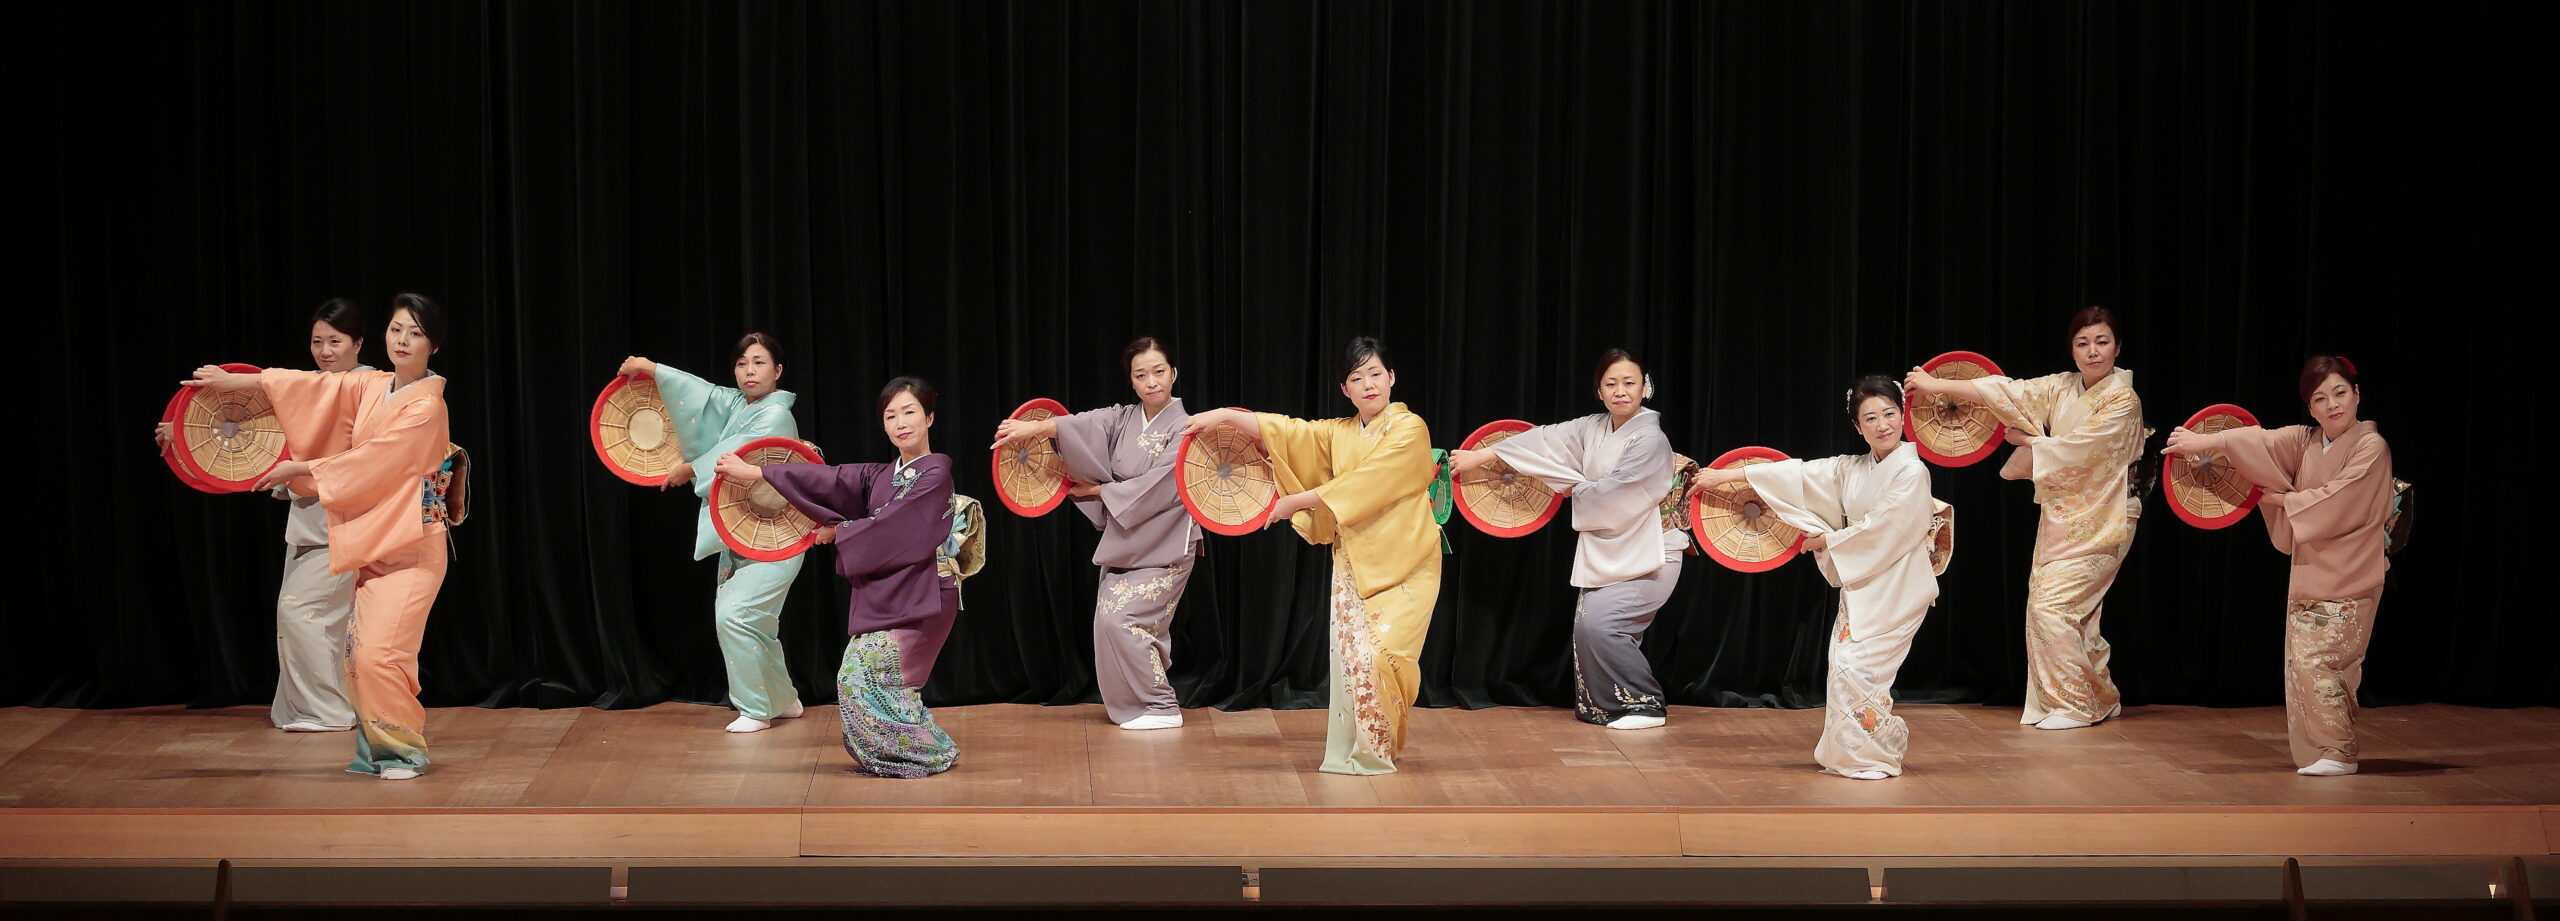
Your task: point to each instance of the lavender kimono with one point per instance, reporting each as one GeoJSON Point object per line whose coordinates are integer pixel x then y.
{"type": "Point", "coordinates": [1148, 544]}
{"type": "Point", "coordinates": [889, 520]}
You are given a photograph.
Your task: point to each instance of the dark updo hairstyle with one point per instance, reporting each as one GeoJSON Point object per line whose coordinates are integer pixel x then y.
{"type": "Point", "coordinates": [1610, 358]}
{"type": "Point", "coordinates": [771, 345]}
{"type": "Point", "coordinates": [2319, 368]}
{"type": "Point", "coordinates": [424, 311]}
{"type": "Point", "coordinates": [2093, 315]}
{"type": "Point", "coordinates": [341, 315]}
{"type": "Point", "coordinates": [906, 384]}
{"type": "Point", "coordinates": [1141, 346]}
{"type": "Point", "coordinates": [1361, 349]}
{"type": "Point", "coordinates": [1875, 385]}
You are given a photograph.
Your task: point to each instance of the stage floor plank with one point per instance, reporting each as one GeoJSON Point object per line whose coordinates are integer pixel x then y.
{"type": "Point", "coordinates": [1062, 781]}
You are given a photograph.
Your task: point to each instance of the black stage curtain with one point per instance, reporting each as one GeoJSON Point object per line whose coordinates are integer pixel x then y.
{"type": "Point", "coordinates": [1765, 199]}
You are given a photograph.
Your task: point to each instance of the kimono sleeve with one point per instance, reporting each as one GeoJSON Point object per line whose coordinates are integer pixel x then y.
{"type": "Point", "coordinates": [1804, 493]}
{"type": "Point", "coordinates": [1877, 540]}
{"type": "Point", "coordinates": [1085, 442]}
{"type": "Point", "coordinates": [826, 493]}
{"type": "Point", "coordinates": [317, 408]}
{"type": "Point", "coordinates": [1301, 451]}
{"type": "Point", "coordinates": [1628, 493]}
{"type": "Point", "coordinates": [2021, 404]}
{"type": "Point", "coordinates": [902, 533]}
{"type": "Point", "coordinates": [2063, 460]}
{"type": "Point", "coordinates": [2269, 458]}
{"type": "Point", "coordinates": [1552, 453]}
{"type": "Point", "coordinates": [1399, 468]}
{"type": "Point", "coordinates": [1141, 497]}
{"type": "Point", "coordinates": [700, 410]}
{"type": "Point", "coordinates": [2344, 503]}
{"type": "Point", "coordinates": [387, 466]}
{"type": "Point", "coordinates": [766, 418]}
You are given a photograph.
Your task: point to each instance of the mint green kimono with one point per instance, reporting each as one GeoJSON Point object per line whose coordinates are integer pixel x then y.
{"type": "Point", "coordinates": [711, 421]}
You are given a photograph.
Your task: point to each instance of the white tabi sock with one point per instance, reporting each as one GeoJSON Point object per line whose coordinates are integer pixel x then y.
{"type": "Point", "coordinates": [2059, 721]}
{"type": "Point", "coordinates": [399, 774]}
{"type": "Point", "coordinates": [2326, 767]}
{"type": "Point", "coordinates": [1637, 721]}
{"type": "Point", "coordinates": [1154, 721]}
{"type": "Point", "coordinates": [746, 723]}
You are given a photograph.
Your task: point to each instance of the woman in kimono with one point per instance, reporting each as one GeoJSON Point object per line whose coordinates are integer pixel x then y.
{"type": "Point", "coordinates": [1616, 465]}
{"type": "Point", "coordinates": [312, 603]}
{"type": "Point", "coordinates": [1867, 522]}
{"type": "Point", "coordinates": [370, 444]}
{"type": "Point", "coordinates": [1122, 459]}
{"type": "Point", "coordinates": [712, 421]}
{"type": "Point", "coordinates": [2078, 435]}
{"type": "Point", "coordinates": [887, 522]}
{"type": "Point", "coordinates": [2327, 498]}
{"type": "Point", "coordinates": [1361, 484]}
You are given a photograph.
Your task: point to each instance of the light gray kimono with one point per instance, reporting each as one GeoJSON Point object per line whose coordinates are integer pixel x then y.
{"type": "Point", "coordinates": [1625, 561]}
{"type": "Point", "coordinates": [1147, 548]}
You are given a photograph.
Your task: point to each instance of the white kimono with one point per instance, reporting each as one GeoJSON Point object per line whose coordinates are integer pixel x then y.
{"type": "Point", "coordinates": [1876, 517]}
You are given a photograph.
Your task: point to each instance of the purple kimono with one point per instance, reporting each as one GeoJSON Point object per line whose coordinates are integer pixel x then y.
{"type": "Point", "coordinates": [888, 519]}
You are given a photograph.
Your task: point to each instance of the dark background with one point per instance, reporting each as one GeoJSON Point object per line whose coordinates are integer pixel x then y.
{"type": "Point", "coordinates": [1763, 199]}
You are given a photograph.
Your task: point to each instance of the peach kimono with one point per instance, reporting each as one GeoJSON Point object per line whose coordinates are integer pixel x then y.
{"type": "Point", "coordinates": [374, 453]}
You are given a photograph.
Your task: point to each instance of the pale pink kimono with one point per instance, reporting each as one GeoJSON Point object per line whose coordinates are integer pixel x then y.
{"type": "Point", "coordinates": [2326, 503]}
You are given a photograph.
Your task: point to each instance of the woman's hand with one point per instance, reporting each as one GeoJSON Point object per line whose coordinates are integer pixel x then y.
{"type": "Point", "coordinates": [162, 436]}
{"type": "Point", "coordinates": [2016, 436]}
{"type": "Point", "coordinates": [1204, 421]}
{"type": "Point", "coordinates": [1013, 430]}
{"type": "Point", "coordinates": [826, 534]}
{"type": "Point", "coordinates": [677, 477]}
{"type": "Point", "coordinates": [1919, 381]}
{"type": "Point", "coordinates": [736, 468]}
{"type": "Point", "coordinates": [212, 377]}
{"type": "Point", "coordinates": [636, 366]}
{"type": "Point", "coordinates": [1463, 461]}
{"type": "Point", "coordinates": [1083, 490]}
{"type": "Point", "coordinates": [1813, 542]}
{"type": "Point", "coordinates": [283, 472]}
{"type": "Point", "coordinates": [1711, 477]}
{"type": "Point", "coordinates": [1290, 504]}
{"type": "Point", "coordinates": [2185, 441]}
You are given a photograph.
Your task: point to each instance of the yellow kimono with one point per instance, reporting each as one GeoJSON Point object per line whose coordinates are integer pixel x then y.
{"type": "Point", "coordinates": [1386, 567]}
{"type": "Point", "coordinates": [2085, 442]}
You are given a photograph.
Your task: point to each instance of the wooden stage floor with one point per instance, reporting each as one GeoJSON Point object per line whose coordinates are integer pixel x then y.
{"type": "Point", "coordinates": [1035, 782]}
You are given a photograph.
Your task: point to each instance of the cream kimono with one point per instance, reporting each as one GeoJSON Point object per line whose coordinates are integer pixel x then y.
{"type": "Point", "coordinates": [1374, 481]}
{"type": "Point", "coordinates": [1876, 518]}
{"type": "Point", "coordinates": [1625, 562]}
{"type": "Point", "coordinates": [2085, 440]}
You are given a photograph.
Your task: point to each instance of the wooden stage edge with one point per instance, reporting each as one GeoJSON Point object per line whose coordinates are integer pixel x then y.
{"type": "Point", "coordinates": [1248, 832]}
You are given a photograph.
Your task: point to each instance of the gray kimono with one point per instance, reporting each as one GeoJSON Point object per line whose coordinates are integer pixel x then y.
{"type": "Point", "coordinates": [1148, 543]}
